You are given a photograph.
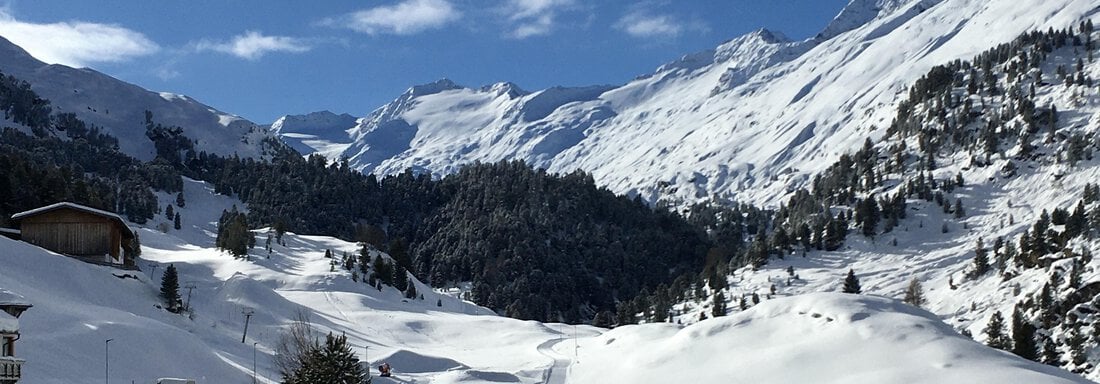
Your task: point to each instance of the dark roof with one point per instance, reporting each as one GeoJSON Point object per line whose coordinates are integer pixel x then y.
{"type": "Point", "coordinates": [126, 231]}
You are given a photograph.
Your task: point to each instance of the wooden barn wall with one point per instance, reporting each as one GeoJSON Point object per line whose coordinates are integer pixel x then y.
{"type": "Point", "coordinates": [70, 232]}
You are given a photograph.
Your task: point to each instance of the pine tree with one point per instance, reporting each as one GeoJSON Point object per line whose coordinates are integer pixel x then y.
{"type": "Point", "coordinates": [333, 362]}
{"type": "Point", "coordinates": [179, 200]}
{"type": "Point", "coordinates": [169, 212]}
{"type": "Point", "coordinates": [718, 308]}
{"type": "Point", "coordinates": [981, 260]}
{"type": "Point", "coordinates": [959, 212]}
{"type": "Point", "coordinates": [176, 221]}
{"type": "Point", "coordinates": [1023, 336]}
{"type": "Point", "coordinates": [914, 294]}
{"type": "Point", "coordinates": [170, 288]}
{"type": "Point", "coordinates": [851, 283]}
{"type": "Point", "coordinates": [995, 333]}
{"type": "Point", "coordinates": [1076, 343]}
{"type": "Point", "coordinates": [410, 291]}
{"type": "Point", "coordinates": [1050, 352]}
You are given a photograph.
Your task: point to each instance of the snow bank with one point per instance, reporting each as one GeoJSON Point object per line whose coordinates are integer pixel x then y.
{"type": "Point", "coordinates": [812, 338]}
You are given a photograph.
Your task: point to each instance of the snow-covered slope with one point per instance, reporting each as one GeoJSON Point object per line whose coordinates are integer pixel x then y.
{"type": "Point", "coordinates": [440, 339]}
{"type": "Point", "coordinates": [318, 132]}
{"type": "Point", "coordinates": [118, 108]}
{"type": "Point", "coordinates": [813, 338]}
{"type": "Point", "coordinates": [751, 118]}
{"type": "Point", "coordinates": [77, 306]}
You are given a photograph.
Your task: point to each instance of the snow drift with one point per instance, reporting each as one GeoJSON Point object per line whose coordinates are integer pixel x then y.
{"type": "Point", "coordinates": [812, 338]}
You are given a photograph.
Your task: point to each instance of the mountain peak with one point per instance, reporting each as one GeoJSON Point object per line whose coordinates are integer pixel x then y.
{"type": "Point", "coordinates": [434, 87]}
{"type": "Point", "coordinates": [505, 88]}
{"type": "Point", "coordinates": [770, 36]}
{"type": "Point", "coordinates": [860, 12]}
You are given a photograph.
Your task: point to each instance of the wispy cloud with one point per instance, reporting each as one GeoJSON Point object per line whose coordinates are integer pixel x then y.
{"type": "Point", "coordinates": [75, 43]}
{"type": "Point", "coordinates": [534, 17]}
{"type": "Point", "coordinates": [644, 21]}
{"type": "Point", "coordinates": [404, 18]}
{"type": "Point", "coordinates": [253, 45]}
{"type": "Point", "coordinates": [644, 25]}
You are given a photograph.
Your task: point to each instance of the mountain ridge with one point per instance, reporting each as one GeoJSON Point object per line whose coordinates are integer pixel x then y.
{"type": "Point", "coordinates": [750, 120]}
{"type": "Point", "coordinates": [119, 107]}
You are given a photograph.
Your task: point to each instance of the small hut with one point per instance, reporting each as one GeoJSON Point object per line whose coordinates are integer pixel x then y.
{"type": "Point", "coordinates": [77, 230]}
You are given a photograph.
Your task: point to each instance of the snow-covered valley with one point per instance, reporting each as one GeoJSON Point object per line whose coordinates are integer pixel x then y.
{"type": "Point", "coordinates": [751, 121]}
{"type": "Point", "coordinates": [441, 339]}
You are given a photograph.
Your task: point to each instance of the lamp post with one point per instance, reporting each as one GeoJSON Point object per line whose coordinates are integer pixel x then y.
{"type": "Point", "coordinates": [254, 362]}
{"type": "Point", "coordinates": [107, 361]}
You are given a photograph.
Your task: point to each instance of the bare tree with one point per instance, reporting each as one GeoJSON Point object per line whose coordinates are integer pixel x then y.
{"type": "Point", "coordinates": [914, 294]}
{"type": "Point", "coordinates": [294, 343]}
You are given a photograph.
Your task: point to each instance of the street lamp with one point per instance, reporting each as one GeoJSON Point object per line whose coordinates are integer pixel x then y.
{"type": "Point", "coordinates": [254, 362]}
{"type": "Point", "coordinates": [107, 361]}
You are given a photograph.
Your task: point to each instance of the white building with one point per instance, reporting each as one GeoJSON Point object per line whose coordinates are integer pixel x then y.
{"type": "Point", "coordinates": [11, 307]}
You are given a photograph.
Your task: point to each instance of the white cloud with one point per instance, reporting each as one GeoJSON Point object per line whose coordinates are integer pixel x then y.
{"type": "Point", "coordinates": [253, 45]}
{"type": "Point", "coordinates": [534, 17]}
{"type": "Point", "coordinates": [75, 43]}
{"type": "Point", "coordinates": [644, 25]}
{"type": "Point", "coordinates": [404, 18]}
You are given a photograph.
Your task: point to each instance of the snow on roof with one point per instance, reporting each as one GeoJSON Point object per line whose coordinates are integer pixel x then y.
{"type": "Point", "coordinates": [11, 298]}
{"type": "Point", "coordinates": [78, 207]}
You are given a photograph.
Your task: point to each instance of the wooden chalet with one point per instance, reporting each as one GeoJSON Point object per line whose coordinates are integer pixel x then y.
{"type": "Point", "coordinates": [72, 229]}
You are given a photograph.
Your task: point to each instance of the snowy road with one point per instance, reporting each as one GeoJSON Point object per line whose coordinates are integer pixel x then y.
{"type": "Point", "coordinates": [555, 374]}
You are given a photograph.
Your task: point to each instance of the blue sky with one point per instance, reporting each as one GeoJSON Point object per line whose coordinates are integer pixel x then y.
{"type": "Point", "coordinates": [263, 59]}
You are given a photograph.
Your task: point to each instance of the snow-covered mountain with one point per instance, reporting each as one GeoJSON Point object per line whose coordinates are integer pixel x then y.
{"type": "Point", "coordinates": [318, 132]}
{"type": "Point", "coordinates": [751, 118]}
{"type": "Point", "coordinates": [118, 108]}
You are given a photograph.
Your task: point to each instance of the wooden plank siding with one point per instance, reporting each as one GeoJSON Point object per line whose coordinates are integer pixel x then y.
{"type": "Point", "coordinates": [73, 232]}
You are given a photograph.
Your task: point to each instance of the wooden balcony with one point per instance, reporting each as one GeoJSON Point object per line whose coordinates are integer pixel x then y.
{"type": "Point", "coordinates": [11, 369]}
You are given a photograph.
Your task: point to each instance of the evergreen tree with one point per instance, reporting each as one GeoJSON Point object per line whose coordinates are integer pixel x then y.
{"type": "Point", "coordinates": [170, 288]}
{"type": "Point", "coordinates": [851, 283]}
{"type": "Point", "coordinates": [959, 212]}
{"type": "Point", "coordinates": [410, 291]}
{"type": "Point", "coordinates": [625, 314]}
{"type": "Point", "coordinates": [1075, 341]}
{"type": "Point", "coordinates": [1050, 352]}
{"type": "Point", "coordinates": [333, 362]}
{"type": "Point", "coordinates": [179, 200]}
{"type": "Point", "coordinates": [981, 260]}
{"type": "Point", "coordinates": [169, 212]}
{"type": "Point", "coordinates": [233, 233]}
{"type": "Point", "coordinates": [718, 308]}
{"type": "Point", "coordinates": [995, 333]}
{"type": "Point", "coordinates": [914, 294]}
{"type": "Point", "coordinates": [176, 221]}
{"type": "Point", "coordinates": [1023, 336]}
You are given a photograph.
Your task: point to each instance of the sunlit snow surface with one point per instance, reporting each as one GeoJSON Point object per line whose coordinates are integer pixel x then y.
{"type": "Point", "coordinates": [821, 338]}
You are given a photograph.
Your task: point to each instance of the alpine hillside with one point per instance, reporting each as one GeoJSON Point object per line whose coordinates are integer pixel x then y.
{"type": "Point", "coordinates": [753, 118]}
{"type": "Point", "coordinates": [119, 109]}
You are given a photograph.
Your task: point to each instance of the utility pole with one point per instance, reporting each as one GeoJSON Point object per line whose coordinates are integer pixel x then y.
{"type": "Point", "coordinates": [254, 362]}
{"type": "Point", "coordinates": [247, 316]}
{"type": "Point", "coordinates": [107, 361]}
{"type": "Point", "coordinates": [187, 304]}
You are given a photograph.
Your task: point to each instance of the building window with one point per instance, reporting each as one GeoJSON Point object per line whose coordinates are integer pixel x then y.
{"type": "Point", "coordinates": [8, 348]}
